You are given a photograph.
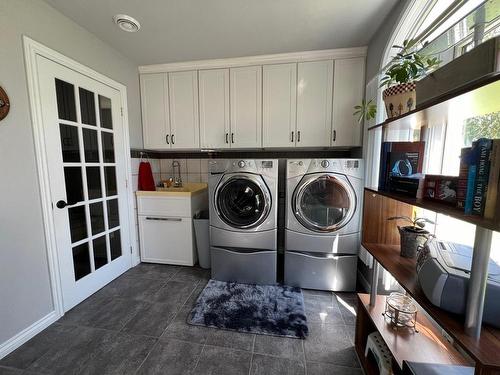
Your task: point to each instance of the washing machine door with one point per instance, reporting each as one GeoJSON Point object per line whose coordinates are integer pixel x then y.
{"type": "Point", "coordinates": [324, 202]}
{"type": "Point", "coordinates": [242, 201]}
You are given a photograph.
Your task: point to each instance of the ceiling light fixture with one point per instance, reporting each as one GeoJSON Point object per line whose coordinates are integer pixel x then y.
{"type": "Point", "coordinates": [127, 23]}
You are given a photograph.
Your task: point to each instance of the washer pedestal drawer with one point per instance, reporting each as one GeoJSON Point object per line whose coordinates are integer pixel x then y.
{"type": "Point", "coordinates": [321, 271]}
{"type": "Point", "coordinates": [255, 267]}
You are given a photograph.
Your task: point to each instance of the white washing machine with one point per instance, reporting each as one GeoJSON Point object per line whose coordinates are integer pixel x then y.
{"type": "Point", "coordinates": [322, 226]}
{"type": "Point", "coordinates": [243, 196]}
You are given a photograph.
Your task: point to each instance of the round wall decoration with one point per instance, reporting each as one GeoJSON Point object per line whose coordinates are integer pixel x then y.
{"type": "Point", "coordinates": [4, 104]}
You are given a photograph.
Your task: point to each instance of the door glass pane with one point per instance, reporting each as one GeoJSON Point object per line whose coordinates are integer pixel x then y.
{"type": "Point", "coordinates": [66, 106]}
{"type": "Point", "coordinates": [69, 143]}
{"type": "Point", "coordinates": [325, 202]}
{"type": "Point", "coordinates": [108, 148]}
{"type": "Point", "coordinates": [81, 260]}
{"type": "Point", "coordinates": [94, 182]}
{"type": "Point", "coordinates": [105, 112]}
{"type": "Point", "coordinates": [100, 254]}
{"type": "Point", "coordinates": [77, 223]}
{"type": "Point", "coordinates": [90, 146]}
{"type": "Point", "coordinates": [87, 106]}
{"type": "Point", "coordinates": [115, 244]}
{"type": "Point", "coordinates": [113, 219]}
{"type": "Point", "coordinates": [241, 202]}
{"type": "Point", "coordinates": [97, 217]}
{"type": "Point", "coordinates": [109, 174]}
{"type": "Point", "coordinates": [74, 184]}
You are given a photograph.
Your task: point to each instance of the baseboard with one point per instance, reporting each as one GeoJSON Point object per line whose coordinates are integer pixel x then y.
{"type": "Point", "coordinates": [26, 334]}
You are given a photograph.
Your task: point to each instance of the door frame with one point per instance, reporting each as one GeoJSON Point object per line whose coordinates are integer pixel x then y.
{"type": "Point", "coordinates": [31, 50]}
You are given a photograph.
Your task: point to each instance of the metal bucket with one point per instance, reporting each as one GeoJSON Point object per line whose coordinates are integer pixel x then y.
{"type": "Point", "coordinates": [412, 238]}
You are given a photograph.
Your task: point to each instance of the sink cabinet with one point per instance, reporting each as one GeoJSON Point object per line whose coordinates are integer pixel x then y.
{"type": "Point", "coordinates": [166, 225]}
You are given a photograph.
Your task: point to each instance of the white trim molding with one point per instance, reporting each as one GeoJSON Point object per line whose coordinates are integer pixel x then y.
{"type": "Point", "coordinates": [28, 333]}
{"type": "Point", "coordinates": [281, 58]}
{"type": "Point", "coordinates": [31, 50]}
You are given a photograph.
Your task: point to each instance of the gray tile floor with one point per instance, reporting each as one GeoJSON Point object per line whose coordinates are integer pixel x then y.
{"type": "Point", "coordinates": [137, 325]}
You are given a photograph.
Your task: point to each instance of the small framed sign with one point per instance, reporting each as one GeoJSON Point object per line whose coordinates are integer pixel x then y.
{"type": "Point", "coordinates": [4, 104]}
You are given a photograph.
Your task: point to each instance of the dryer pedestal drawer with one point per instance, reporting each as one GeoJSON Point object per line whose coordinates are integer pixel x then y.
{"type": "Point", "coordinates": [322, 243]}
{"type": "Point", "coordinates": [321, 271]}
{"type": "Point", "coordinates": [256, 267]}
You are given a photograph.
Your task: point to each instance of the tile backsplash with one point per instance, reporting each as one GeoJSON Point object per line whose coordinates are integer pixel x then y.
{"type": "Point", "coordinates": [192, 170]}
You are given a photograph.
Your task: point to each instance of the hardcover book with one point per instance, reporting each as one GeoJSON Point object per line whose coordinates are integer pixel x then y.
{"type": "Point", "coordinates": [463, 177]}
{"type": "Point", "coordinates": [492, 205]}
{"type": "Point", "coordinates": [482, 157]}
{"type": "Point", "coordinates": [400, 159]}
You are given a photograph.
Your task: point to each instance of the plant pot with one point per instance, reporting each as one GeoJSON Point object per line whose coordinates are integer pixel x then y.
{"type": "Point", "coordinates": [400, 99]}
{"type": "Point", "coordinates": [412, 238]}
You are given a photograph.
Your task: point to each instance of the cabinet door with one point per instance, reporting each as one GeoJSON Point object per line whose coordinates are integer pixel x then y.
{"type": "Point", "coordinates": [183, 99]}
{"type": "Point", "coordinates": [246, 106]}
{"type": "Point", "coordinates": [214, 108]}
{"type": "Point", "coordinates": [155, 116]}
{"type": "Point", "coordinates": [314, 103]}
{"type": "Point", "coordinates": [279, 105]}
{"type": "Point", "coordinates": [348, 91]}
{"type": "Point", "coordinates": [166, 240]}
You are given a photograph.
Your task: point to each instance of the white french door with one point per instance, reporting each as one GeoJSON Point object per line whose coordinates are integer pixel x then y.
{"type": "Point", "coordinates": [84, 142]}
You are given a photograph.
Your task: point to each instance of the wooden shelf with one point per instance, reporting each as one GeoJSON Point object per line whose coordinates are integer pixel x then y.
{"type": "Point", "coordinates": [480, 93]}
{"type": "Point", "coordinates": [440, 208]}
{"type": "Point", "coordinates": [425, 345]}
{"type": "Point", "coordinates": [485, 350]}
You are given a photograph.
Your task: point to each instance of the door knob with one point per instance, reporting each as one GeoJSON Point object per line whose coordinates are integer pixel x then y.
{"type": "Point", "coordinates": [61, 204]}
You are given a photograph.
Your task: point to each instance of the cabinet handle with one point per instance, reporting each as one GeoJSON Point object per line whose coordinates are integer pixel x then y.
{"type": "Point", "coordinates": [173, 139]}
{"type": "Point", "coordinates": [164, 218]}
{"type": "Point", "coordinates": [232, 137]}
{"type": "Point", "coordinates": [166, 137]}
{"type": "Point", "coordinates": [227, 137]}
{"type": "Point", "coordinates": [292, 137]}
{"type": "Point", "coordinates": [334, 135]}
{"type": "Point", "coordinates": [298, 136]}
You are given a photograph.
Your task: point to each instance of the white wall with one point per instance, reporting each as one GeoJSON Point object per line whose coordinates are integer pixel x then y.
{"type": "Point", "coordinates": [24, 280]}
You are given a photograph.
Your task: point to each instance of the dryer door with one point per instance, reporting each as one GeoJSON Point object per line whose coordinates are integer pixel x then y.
{"type": "Point", "coordinates": [324, 202]}
{"type": "Point", "coordinates": [242, 200]}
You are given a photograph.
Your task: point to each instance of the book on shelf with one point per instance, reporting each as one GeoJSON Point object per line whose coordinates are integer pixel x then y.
{"type": "Point", "coordinates": [492, 204]}
{"type": "Point", "coordinates": [463, 177]}
{"type": "Point", "coordinates": [479, 179]}
{"type": "Point", "coordinates": [478, 176]}
{"type": "Point", "coordinates": [400, 159]}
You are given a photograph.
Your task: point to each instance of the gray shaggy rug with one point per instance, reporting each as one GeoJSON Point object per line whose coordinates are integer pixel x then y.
{"type": "Point", "coordinates": [263, 309]}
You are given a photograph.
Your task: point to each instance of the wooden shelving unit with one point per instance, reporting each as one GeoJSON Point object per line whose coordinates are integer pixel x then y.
{"type": "Point", "coordinates": [480, 95]}
{"type": "Point", "coordinates": [402, 342]}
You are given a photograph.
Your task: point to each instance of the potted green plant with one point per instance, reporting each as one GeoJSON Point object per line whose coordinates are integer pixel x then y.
{"type": "Point", "coordinates": [412, 236]}
{"type": "Point", "coordinates": [365, 111]}
{"type": "Point", "coordinates": [404, 70]}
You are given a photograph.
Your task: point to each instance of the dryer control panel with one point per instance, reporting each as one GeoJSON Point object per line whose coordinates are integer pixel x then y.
{"type": "Point", "coordinates": [350, 167]}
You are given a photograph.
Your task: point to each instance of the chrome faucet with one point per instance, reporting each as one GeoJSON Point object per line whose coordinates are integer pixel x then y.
{"type": "Point", "coordinates": [178, 179]}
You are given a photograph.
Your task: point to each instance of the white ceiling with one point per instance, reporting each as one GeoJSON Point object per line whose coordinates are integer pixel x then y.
{"type": "Point", "coordinates": [185, 30]}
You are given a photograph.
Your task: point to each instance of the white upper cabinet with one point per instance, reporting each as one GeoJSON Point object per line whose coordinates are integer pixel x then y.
{"type": "Point", "coordinates": [314, 103]}
{"type": "Point", "coordinates": [183, 102]}
{"type": "Point", "coordinates": [348, 91]}
{"type": "Point", "coordinates": [271, 102]}
{"type": "Point", "coordinates": [279, 105]}
{"type": "Point", "coordinates": [214, 108]}
{"type": "Point", "coordinates": [155, 116]}
{"type": "Point", "coordinates": [246, 107]}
